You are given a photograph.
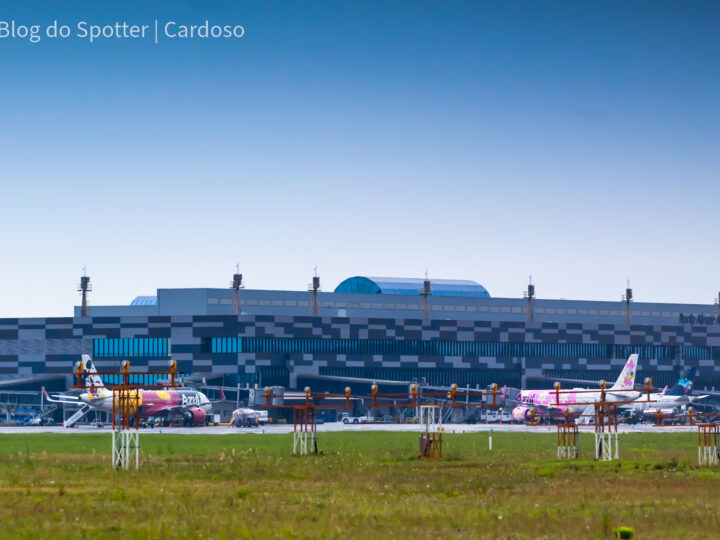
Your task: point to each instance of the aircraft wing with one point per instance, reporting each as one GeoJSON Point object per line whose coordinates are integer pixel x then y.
{"type": "Point", "coordinates": [61, 398]}
{"type": "Point", "coordinates": [625, 396]}
{"type": "Point", "coordinates": [711, 393]}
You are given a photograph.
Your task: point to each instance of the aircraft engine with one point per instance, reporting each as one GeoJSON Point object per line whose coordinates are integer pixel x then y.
{"type": "Point", "coordinates": [521, 414]}
{"type": "Point", "coordinates": [195, 416]}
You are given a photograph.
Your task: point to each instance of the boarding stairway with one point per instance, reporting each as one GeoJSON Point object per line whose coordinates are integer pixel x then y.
{"type": "Point", "coordinates": [80, 413]}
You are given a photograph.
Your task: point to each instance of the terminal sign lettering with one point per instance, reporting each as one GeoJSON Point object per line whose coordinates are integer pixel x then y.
{"type": "Point", "coordinates": [704, 320]}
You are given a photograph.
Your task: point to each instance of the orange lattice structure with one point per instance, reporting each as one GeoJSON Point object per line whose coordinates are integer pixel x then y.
{"type": "Point", "coordinates": [431, 437]}
{"type": "Point", "coordinates": [305, 415]}
{"type": "Point", "coordinates": [431, 445]}
{"type": "Point", "coordinates": [305, 418]}
{"type": "Point", "coordinates": [126, 403]}
{"type": "Point", "coordinates": [567, 439]}
{"type": "Point", "coordinates": [708, 444]}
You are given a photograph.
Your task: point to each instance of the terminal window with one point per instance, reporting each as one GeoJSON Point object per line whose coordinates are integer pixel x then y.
{"type": "Point", "coordinates": [501, 349]}
{"type": "Point", "coordinates": [225, 345]}
{"type": "Point", "coordinates": [131, 347]}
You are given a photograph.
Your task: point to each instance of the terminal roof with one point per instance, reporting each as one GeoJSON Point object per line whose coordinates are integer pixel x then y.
{"type": "Point", "coordinates": [144, 301]}
{"type": "Point", "coordinates": [388, 285]}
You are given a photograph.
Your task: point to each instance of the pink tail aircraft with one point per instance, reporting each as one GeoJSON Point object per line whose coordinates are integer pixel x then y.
{"type": "Point", "coordinates": [545, 401]}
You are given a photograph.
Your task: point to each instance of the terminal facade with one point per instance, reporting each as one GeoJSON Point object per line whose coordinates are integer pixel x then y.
{"type": "Point", "coordinates": [382, 329]}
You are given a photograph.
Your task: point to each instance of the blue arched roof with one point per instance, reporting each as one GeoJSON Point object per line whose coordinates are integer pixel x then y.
{"type": "Point", "coordinates": [144, 301]}
{"type": "Point", "coordinates": [385, 285]}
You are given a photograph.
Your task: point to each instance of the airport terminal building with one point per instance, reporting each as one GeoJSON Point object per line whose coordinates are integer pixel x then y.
{"type": "Point", "coordinates": [385, 329]}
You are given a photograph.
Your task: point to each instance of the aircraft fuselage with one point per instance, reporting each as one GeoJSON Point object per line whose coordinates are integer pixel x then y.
{"type": "Point", "coordinates": [152, 402]}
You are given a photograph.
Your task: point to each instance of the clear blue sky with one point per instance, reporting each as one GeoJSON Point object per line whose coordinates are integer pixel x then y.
{"type": "Point", "coordinates": [574, 141]}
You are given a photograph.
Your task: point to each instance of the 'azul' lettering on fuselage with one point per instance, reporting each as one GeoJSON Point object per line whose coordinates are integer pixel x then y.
{"type": "Point", "coordinates": [189, 399]}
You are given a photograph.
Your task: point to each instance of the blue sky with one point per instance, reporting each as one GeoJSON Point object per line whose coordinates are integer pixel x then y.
{"type": "Point", "coordinates": [577, 142]}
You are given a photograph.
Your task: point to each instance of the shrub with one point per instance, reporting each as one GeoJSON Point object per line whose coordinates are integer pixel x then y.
{"type": "Point", "coordinates": [624, 532]}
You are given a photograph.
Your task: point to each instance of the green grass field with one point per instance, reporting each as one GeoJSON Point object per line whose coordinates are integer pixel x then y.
{"type": "Point", "coordinates": [363, 485]}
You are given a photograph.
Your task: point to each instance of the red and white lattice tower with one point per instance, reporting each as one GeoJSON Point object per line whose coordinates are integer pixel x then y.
{"type": "Point", "coordinates": [431, 436]}
{"type": "Point", "coordinates": [606, 428]}
{"type": "Point", "coordinates": [304, 428]}
{"type": "Point", "coordinates": [708, 447]}
{"type": "Point", "coordinates": [567, 439]}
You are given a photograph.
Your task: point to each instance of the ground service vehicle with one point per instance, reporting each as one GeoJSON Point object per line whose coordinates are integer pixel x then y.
{"type": "Point", "coordinates": [347, 419]}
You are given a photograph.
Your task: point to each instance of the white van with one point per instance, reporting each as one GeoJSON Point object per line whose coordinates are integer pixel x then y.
{"type": "Point", "coordinates": [495, 416]}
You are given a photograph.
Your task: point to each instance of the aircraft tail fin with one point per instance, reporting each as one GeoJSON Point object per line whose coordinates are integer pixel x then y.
{"type": "Point", "coordinates": [89, 368]}
{"type": "Point", "coordinates": [626, 380]}
{"type": "Point", "coordinates": [684, 385]}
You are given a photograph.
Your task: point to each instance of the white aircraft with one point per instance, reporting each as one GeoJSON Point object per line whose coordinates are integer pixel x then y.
{"type": "Point", "coordinates": [547, 402]}
{"type": "Point", "coordinates": [192, 405]}
{"type": "Point", "coordinates": [670, 400]}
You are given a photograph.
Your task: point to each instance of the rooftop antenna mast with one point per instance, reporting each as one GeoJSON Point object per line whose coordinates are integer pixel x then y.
{"type": "Point", "coordinates": [84, 288]}
{"type": "Point", "coordinates": [627, 299]}
{"type": "Point", "coordinates": [237, 284]}
{"type": "Point", "coordinates": [425, 293]}
{"type": "Point", "coordinates": [314, 288]}
{"type": "Point", "coordinates": [530, 297]}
